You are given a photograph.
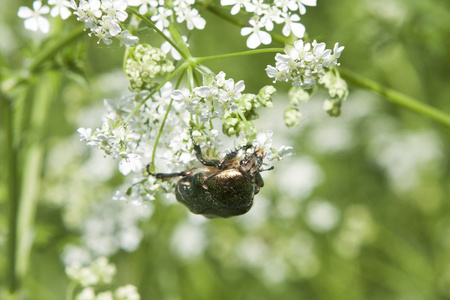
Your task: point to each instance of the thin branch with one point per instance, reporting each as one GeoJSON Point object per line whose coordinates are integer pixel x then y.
{"type": "Point", "coordinates": [396, 97]}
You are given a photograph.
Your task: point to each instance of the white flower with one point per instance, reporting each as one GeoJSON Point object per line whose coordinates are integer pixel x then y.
{"type": "Point", "coordinates": [237, 4]}
{"type": "Point", "coordinates": [108, 295]}
{"type": "Point", "coordinates": [257, 36]}
{"type": "Point", "coordinates": [278, 75]}
{"type": "Point", "coordinates": [34, 20]}
{"type": "Point", "coordinates": [144, 5]}
{"type": "Point", "coordinates": [127, 39]}
{"type": "Point", "coordinates": [110, 26]}
{"type": "Point", "coordinates": [87, 11]}
{"type": "Point", "coordinates": [86, 294]}
{"type": "Point", "coordinates": [272, 14]}
{"type": "Point", "coordinates": [301, 5]}
{"type": "Point", "coordinates": [166, 47]}
{"type": "Point", "coordinates": [161, 18]}
{"type": "Point", "coordinates": [332, 60]}
{"type": "Point", "coordinates": [115, 9]}
{"type": "Point", "coordinates": [303, 65]}
{"type": "Point", "coordinates": [291, 25]}
{"type": "Point", "coordinates": [231, 91]}
{"type": "Point", "coordinates": [85, 133]}
{"type": "Point", "coordinates": [132, 162]}
{"type": "Point", "coordinates": [192, 18]}
{"type": "Point", "coordinates": [60, 8]}
{"type": "Point", "coordinates": [281, 153]}
{"type": "Point", "coordinates": [104, 270]}
{"type": "Point", "coordinates": [263, 140]}
{"type": "Point", "coordinates": [181, 95]}
{"type": "Point", "coordinates": [128, 292]}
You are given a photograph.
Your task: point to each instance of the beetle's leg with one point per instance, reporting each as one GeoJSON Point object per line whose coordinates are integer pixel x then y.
{"type": "Point", "coordinates": [268, 169]}
{"type": "Point", "coordinates": [199, 154]}
{"type": "Point", "coordinates": [166, 175]}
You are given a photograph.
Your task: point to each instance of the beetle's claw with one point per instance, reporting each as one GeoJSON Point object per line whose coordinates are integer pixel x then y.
{"type": "Point", "coordinates": [147, 168]}
{"type": "Point", "coordinates": [268, 169]}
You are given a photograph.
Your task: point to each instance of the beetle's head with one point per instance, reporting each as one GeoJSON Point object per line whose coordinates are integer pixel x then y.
{"type": "Point", "coordinates": [250, 166]}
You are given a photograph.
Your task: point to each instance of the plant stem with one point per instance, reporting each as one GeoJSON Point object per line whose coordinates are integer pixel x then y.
{"type": "Point", "coordinates": [396, 97]}
{"type": "Point", "coordinates": [42, 97]}
{"type": "Point", "coordinates": [161, 131]}
{"type": "Point", "coordinates": [55, 47]}
{"type": "Point", "coordinates": [13, 192]}
{"type": "Point", "coordinates": [149, 23]}
{"type": "Point", "coordinates": [9, 85]}
{"type": "Point", "coordinates": [161, 128]}
{"type": "Point", "coordinates": [249, 52]}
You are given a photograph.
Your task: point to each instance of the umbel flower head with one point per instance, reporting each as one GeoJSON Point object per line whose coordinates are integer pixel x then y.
{"type": "Point", "coordinates": [304, 64]}
{"type": "Point", "coordinates": [143, 64]}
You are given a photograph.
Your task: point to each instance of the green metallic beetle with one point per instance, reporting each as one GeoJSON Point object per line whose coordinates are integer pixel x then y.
{"type": "Point", "coordinates": [220, 188]}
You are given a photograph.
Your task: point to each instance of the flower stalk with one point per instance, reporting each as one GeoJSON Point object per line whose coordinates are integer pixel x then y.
{"type": "Point", "coordinates": [396, 97]}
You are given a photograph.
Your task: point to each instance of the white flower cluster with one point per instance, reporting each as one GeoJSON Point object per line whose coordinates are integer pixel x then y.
{"type": "Point", "coordinates": [304, 64]}
{"type": "Point", "coordinates": [211, 100]}
{"type": "Point", "coordinates": [103, 18]}
{"type": "Point", "coordinates": [266, 14]}
{"type": "Point", "coordinates": [134, 141]}
{"type": "Point", "coordinates": [98, 273]}
{"type": "Point", "coordinates": [161, 12]}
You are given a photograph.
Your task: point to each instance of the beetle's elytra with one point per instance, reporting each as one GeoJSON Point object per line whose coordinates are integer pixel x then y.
{"type": "Point", "coordinates": [220, 188]}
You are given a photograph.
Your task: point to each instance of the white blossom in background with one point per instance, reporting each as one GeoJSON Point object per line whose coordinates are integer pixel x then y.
{"type": "Point", "coordinates": [189, 240]}
{"type": "Point", "coordinates": [322, 216]}
{"type": "Point", "coordinates": [99, 273]}
{"type": "Point", "coordinates": [128, 292]}
{"type": "Point", "coordinates": [34, 20]}
{"type": "Point", "coordinates": [60, 8]}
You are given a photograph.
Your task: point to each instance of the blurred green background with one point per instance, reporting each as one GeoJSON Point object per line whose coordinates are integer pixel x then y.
{"type": "Point", "coordinates": [361, 211]}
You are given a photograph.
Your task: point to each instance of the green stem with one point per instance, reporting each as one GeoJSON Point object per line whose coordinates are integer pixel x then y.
{"type": "Point", "coordinates": [396, 97]}
{"type": "Point", "coordinates": [249, 52]}
{"type": "Point", "coordinates": [13, 192]}
{"type": "Point", "coordinates": [43, 56]}
{"type": "Point", "coordinates": [161, 131]}
{"type": "Point", "coordinates": [54, 47]}
{"type": "Point", "coordinates": [32, 167]}
{"type": "Point", "coordinates": [70, 290]}
{"type": "Point", "coordinates": [226, 16]}
{"type": "Point", "coordinates": [161, 128]}
{"type": "Point", "coordinates": [150, 23]}
{"type": "Point", "coordinates": [168, 78]}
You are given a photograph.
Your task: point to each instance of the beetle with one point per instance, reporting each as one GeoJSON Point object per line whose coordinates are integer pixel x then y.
{"type": "Point", "coordinates": [220, 188]}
